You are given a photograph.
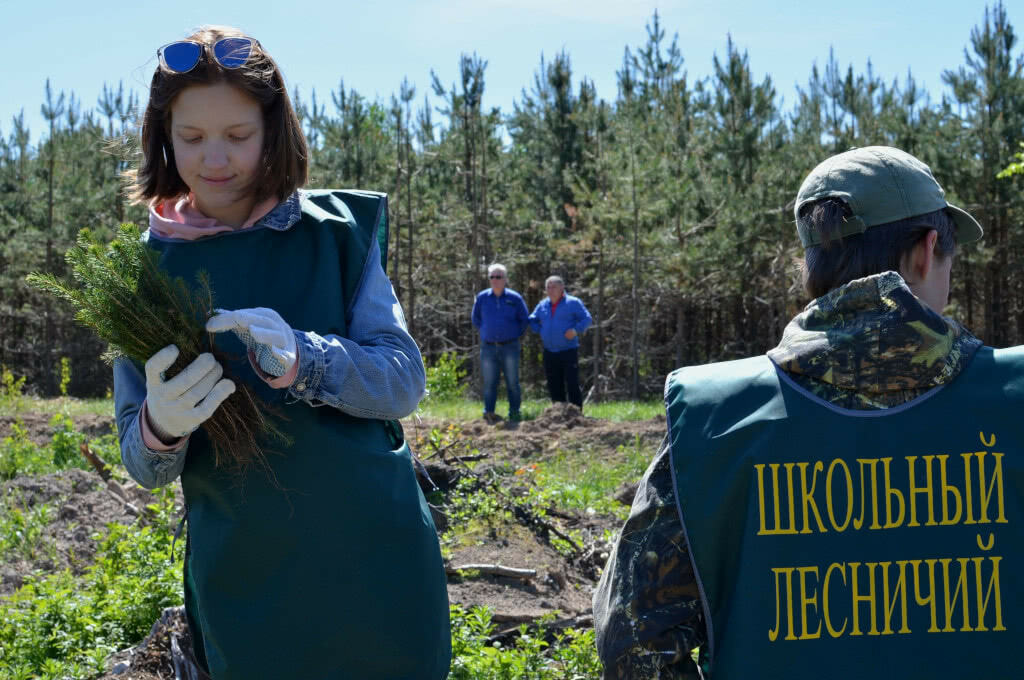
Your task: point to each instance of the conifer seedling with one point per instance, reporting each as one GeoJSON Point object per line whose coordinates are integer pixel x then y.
{"type": "Point", "coordinates": [120, 292]}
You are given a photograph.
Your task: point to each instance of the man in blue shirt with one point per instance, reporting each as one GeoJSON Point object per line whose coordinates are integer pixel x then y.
{"type": "Point", "coordinates": [501, 316]}
{"type": "Point", "coordinates": [560, 318]}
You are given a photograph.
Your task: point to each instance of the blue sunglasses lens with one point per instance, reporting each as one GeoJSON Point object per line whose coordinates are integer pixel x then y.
{"type": "Point", "coordinates": [232, 52]}
{"type": "Point", "coordinates": [181, 56]}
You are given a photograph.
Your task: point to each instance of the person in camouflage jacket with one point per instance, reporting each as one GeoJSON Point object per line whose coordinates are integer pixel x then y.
{"type": "Point", "coordinates": [873, 338]}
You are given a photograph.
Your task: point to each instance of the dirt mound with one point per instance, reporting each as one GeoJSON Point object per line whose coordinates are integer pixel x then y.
{"type": "Point", "coordinates": [81, 505]}
{"type": "Point", "coordinates": [555, 587]}
{"type": "Point", "coordinates": [39, 430]}
{"type": "Point", "coordinates": [558, 426]}
{"type": "Point", "coordinates": [559, 416]}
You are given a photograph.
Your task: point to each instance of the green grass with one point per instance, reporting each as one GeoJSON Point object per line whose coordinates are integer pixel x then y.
{"type": "Point", "coordinates": [462, 409]}
{"type": "Point", "coordinates": [448, 409]}
{"type": "Point", "coordinates": [13, 406]}
{"type": "Point", "coordinates": [618, 411]}
{"type": "Point", "coordinates": [582, 480]}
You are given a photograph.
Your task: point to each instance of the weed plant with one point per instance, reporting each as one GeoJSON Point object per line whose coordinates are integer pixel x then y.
{"type": "Point", "coordinates": [445, 377]}
{"type": "Point", "coordinates": [58, 626]}
{"type": "Point", "coordinates": [122, 294]}
{"type": "Point", "coordinates": [11, 399]}
{"type": "Point", "coordinates": [23, 528]}
{"type": "Point", "coordinates": [20, 456]}
{"type": "Point", "coordinates": [583, 481]}
{"type": "Point", "coordinates": [571, 655]}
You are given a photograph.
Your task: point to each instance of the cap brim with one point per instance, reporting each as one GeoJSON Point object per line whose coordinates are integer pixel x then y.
{"type": "Point", "coordinates": [967, 228]}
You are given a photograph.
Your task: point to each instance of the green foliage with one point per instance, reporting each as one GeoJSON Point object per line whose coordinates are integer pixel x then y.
{"type": "Point", "coordinates": [65, 442]}
{"type": "Point", "coordinates": [1016, 167]}
{"type": "Point", "coordinates": [469, 502]}
{"type": "Point", "coordinates": [582, 480]}
{"type": "Point", "coordinates": [10, 391]}
{"type": "Point", "coordinates": [444, 378]}
{"type": "Point", "coordinates": [22, 527]}
{"type": "Point", "coordinates": [20, 456]}
{"type": "Point", "coordinates": [670, 185]}
{"type": "Point", "coordinates": [446, 442]}
{"type": "Point", "coordinates": [120, 291]}
{"type": "Point", "coordinates": [571, 656]}
{"type": "Point", "coordinates": [58, 625]}
{"type": "Point", "coordinates": [65, 375]}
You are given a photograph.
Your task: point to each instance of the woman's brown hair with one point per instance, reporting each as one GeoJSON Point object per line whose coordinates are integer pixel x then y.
{"type": "Point", "coordinates": [285, 154]}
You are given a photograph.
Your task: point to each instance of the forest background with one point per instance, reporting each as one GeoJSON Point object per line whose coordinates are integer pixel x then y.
{"type": "Point", "coordinates": [668, 209]}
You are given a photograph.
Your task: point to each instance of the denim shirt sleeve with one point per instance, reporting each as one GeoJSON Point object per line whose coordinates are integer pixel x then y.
{"type": "Point", "coordinates": [149, 468]}
{"type": "Point", "coordinates": [374, 372]}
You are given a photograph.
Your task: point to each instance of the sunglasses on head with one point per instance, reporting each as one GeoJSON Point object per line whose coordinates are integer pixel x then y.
{"type": "Point", "coordinates": [183, 55]}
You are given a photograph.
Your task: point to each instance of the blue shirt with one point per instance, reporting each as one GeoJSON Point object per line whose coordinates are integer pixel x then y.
{"type": "Point", "coordinates": [500, 318]}
{"type": "Point", "coordinates": [375, 371]}
{"type": "Point", "coordinates": [569, 313]}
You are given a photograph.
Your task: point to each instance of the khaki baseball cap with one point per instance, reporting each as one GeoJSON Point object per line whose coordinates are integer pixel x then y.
{"type": "Point", "coordinates": [880, 184]}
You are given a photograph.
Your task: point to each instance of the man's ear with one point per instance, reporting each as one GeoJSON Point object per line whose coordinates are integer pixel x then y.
{"type": "Point", "coordinates": [919, 261]}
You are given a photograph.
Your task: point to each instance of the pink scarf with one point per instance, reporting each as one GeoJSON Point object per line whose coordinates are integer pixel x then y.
{"type": "Point", "coordinates": [180, 218]}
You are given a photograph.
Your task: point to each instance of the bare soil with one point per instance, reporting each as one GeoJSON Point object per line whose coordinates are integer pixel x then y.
{"type": "Point", "coordinates": [39, 430]}
{"type": "Point", "coordinates": [561, 587]}
{"type": "Point", "coordinates": [84, 505]}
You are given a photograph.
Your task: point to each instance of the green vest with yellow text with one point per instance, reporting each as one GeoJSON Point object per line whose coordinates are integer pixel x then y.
{"type": "Point", "coordinates": [831, 543]}
{"type": "Point", "coordinates": [329, 568]}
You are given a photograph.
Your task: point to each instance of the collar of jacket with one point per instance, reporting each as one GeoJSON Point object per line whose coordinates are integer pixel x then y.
{"type": "Point", "coordinates": [284, 215]}
{"type": "Point", "coordinates": [872, 344]}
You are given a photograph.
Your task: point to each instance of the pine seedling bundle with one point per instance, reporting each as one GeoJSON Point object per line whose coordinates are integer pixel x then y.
{"type": "Point", "coordinates": [120, 292]}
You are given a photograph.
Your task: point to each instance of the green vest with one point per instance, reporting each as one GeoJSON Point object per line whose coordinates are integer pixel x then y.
{"type": "Point", "coordinates": [831, 543]}
{"type": "Point", "coordinates": [334, 571]}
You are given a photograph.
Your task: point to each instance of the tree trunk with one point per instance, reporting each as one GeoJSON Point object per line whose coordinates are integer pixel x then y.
{"type": "Point", "coordinates": [635, 392]}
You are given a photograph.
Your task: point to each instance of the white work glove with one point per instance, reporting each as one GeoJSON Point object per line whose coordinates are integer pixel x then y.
{"type": "Point", "coordinates": [178, 406]}
{"type": "Point", "coordinates": [264, 332]}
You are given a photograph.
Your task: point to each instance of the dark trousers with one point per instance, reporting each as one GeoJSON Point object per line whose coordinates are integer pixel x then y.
{"type": "Point", "coordinates": [563, 372]}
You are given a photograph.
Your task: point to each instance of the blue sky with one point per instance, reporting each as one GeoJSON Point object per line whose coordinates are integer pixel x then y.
{"type": "Point", "coordinates": [373, 45]}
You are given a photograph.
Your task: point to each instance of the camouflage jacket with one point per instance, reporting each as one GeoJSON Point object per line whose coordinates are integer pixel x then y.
{"type": "Point", "coordinates": [867, 345]}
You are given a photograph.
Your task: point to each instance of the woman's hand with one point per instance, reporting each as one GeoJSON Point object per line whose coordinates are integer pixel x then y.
{"type": "Point", "coordinates": [178, 406]}
{"type": "Point", "coordinates": [264, 332]}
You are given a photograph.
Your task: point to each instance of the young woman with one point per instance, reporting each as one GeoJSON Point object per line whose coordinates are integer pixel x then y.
{"type": "Point", "coordinates": [325, 565]}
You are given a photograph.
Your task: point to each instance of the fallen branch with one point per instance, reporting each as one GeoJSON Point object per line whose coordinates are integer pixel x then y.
{"type": "Point", "coordinates": [531, 518]}
{"type": "Point", "coordinates": [470, 459]}
{"type": "Point", "coordinates": [118, 493]}
{"type": "Point", "coordinates": [580, 622]}
{"type": "Point", "coordinates": [439, 450]}
{"type": "Point", "coordinates": [495, 570]}
{"type": "Point", "coordinates": [101, 468]}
